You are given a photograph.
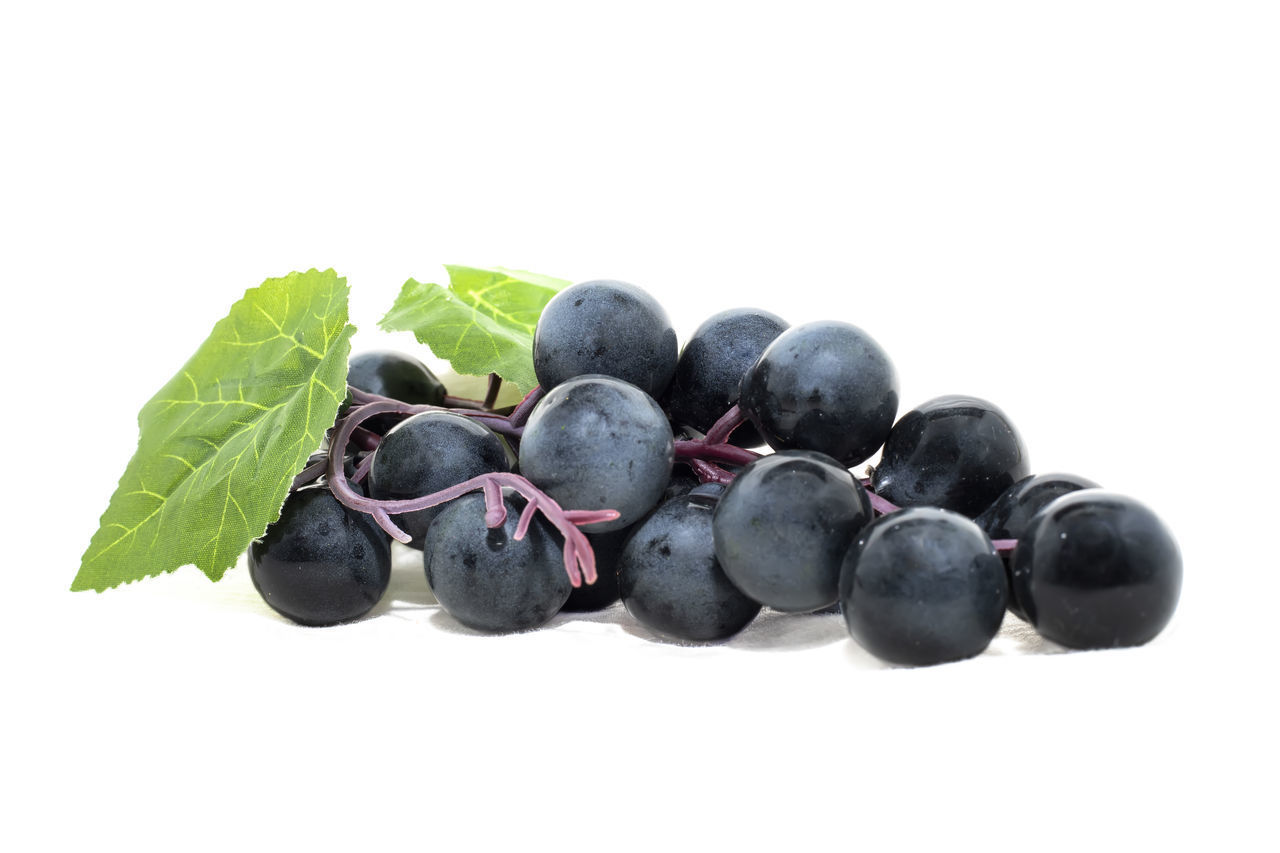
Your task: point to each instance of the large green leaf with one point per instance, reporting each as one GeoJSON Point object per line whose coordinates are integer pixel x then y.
{"type": "Point", "coordinates": [482, 323]}
{"type": "Point", "coordinates": [221, 441]}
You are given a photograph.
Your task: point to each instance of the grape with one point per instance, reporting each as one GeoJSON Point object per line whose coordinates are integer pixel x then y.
{"type": "Point", "coordinates": [923, 586]}
{"type": "Point", "coordinates": [783, 526]}
{"type": "Point", "coordinates": [824, 386]}
{"type": "Point", "coordinates": [712, 364]}
{"type": "Point", "coordinates": [605, 327]}
{"type": "Point", "coordinates": [427, 453]}
{"type": "Point", "coordinates": [670, 580]}
{"type": "Point", "coordinates": [1009, 516]}
{"type": "Point", "coordinates": [488, 580]}
{"type": "Point", "coordinates": [1095, 569]}
{"type": "Point", "coordinates": [957, 453]}
{"type": "Point", "coordinates": [597, 596]}
{"type": "Point", "coordinates": [320, 563]}
{"type": "Point", "coordinates": [599, 443]}
{"type": "Point", "coordinates": [395, 375]}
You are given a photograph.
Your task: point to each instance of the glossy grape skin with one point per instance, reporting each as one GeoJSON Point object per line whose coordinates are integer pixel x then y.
{"type": "Point", "coordinates": [320, 563]}
{"type": "Point", "coordinates": [711, 366]}
{"type": "Point", "coordinates": [957, 453]}
{"type": "Point", "coordinates": [589, 598]}
{"type": "Point", "coordinates": [670, 580]}
{"type": "Point", "coordinates": [1009, 516]}
{"type": "Point", "coordinates": [595, 442]}
{"type": "Point", "coordinates": [488, 580]}
{"type": "Point", "coordinates": [427, 453]}
{"type": "Point", "coordinates": [824, 386]}
{"type": "Point", "coordinates": [783, 526]}
{"type": "Point", "coordinates": [1097, 570]}
{"type": "Point", "coordinates": [923, 586]}
{"type": "Point", "coordinates": [395, 375]}
{"type": "Point", "coordinates": [605, 327]}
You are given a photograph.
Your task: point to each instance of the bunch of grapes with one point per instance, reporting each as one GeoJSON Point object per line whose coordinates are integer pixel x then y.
{"type": "Point", "coordinates": [632, 472]}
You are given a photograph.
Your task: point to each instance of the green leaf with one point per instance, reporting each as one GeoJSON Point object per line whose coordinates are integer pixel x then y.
{"type": "Point", "coordinates": [483, 323]}
{"type": "Point", "coordinates": [221, 442]}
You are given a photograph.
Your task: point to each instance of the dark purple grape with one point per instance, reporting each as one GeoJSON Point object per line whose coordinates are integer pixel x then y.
{"type": "Point", "coordinates": [320, 563]}
{"type": "Point", "coordinates": [709, 373]}
{"type": "Point", "coordinates": [596, 442]}
{"type": "Point", "coordinates": [824, 386]}
{"type": "Point", "coordinates": [1095, 569]}
{"type": "Point", "coordinates": [957, 453]}
{"type": "Point", "coordinates": [1009, 516]}
{"type": "Point", "coordinates": [670, 580]}
{"type": "Point", "coordinates": [923, 586]}
{"type": "Point", "coordinates": [783, 526]}
{"type": "Point", "coordinates": [486, 578]}
{"type": "Point", "coordinates": [605, 327]}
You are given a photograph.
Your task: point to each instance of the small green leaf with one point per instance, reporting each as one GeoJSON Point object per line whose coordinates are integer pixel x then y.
{"type": "Point", "coordinates": [483, 323]}
{"type": "Point", "coordinates": [221, 442]}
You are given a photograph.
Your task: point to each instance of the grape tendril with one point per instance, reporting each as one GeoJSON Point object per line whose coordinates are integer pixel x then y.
{"type": "Point", "coordinates": [579, 560]}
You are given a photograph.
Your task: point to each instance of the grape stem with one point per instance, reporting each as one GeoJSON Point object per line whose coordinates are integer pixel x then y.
{"type": "Point", "coordinates": [700, 454]}
{"type": "Point", "coordinates": [485, 405]}
{"type": "Point", "coordinates": [579, 560]}
{"type": "Point", "coordinates": [879, 504]}
{"type": "Point", "coordinates": [499, 423]}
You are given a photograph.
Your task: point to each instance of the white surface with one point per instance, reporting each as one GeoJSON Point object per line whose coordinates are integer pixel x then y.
{"type": "Point", "coordinates": [1072, 213]}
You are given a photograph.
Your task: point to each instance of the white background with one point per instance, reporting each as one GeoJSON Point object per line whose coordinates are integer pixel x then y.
{"type": "Point", "coordinates": [1069, 209]}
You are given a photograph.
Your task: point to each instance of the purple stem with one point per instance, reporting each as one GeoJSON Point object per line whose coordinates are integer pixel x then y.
{"type": "Point", "coordinates": [709, 473]}
{"type": "Point", "coordinates": [498, 423]}
{"type": "Point", "coordinates": [520, 414]}
{"type": "Point", "coordinates": [310, 474]}
{"type": "Point", "coordinates": [362, 470]}
{"type": "Point", "coordinates": [491, 394]}
{"type": "Point", "coordinates": [699, 454]}
{"type": "Point", "coordinates": [579, 561]}
{"type": "Point", "coordinates": [727, 423]}
{"type": "Point", "coordinates": [485, 405]}
{"type": "Point", "coordinates": [452, 402]}
{"type": "Point", "coordinates": [365, 440]}
{"type": "Point", "coordinates": [880, 505]}
{"type": "Point", "coordinates": [701, 449]}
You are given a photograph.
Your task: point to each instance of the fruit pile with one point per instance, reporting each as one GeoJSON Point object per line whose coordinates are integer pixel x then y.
{"type": "Point", "coordinates": [636, 480]}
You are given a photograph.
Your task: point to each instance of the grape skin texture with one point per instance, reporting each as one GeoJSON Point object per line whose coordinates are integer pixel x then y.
{"type": "Point", "coordinates": [670, 580]}
{"type": "Point", "coordinates": [599, 443]}
{"type": "Point", "coordinates": [923, 586]}
{"type": "Point", "coordinates": [320, 563]}
{"type": "Point", "coordinates": [605, 327]}
{"type": "Point", "coordinates": [1012, 512]}
{"type": "Point", "coordinates": [395, 375]}
{"type": "Point", "coordinates": [1097, 570]}
{"type": "Point", "coordinates": [783, 526]}
{"type": "Point", "coordinates": [957, 453]}
{"type": "Point", "coordinates": [711, 366]}
{"type": "Point", "coordinates": [427, 453]}
{"type": "Point", "coordinates": [824, 386]}
{"type": "Point", "coordinates": [488, 580]}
